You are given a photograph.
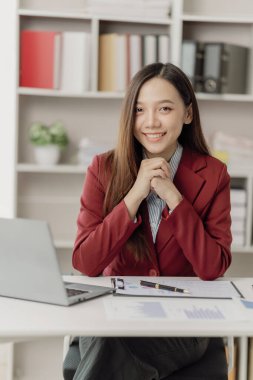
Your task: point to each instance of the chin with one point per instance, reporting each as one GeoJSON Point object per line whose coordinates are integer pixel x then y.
{"type": "Point", "coordinates": [154, 153]}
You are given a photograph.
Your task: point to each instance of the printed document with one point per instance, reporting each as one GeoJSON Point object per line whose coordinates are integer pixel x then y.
{"type": "Point", "coordinates": [174, 309]}
{"type": "Point", "coordinates": [197, 288]}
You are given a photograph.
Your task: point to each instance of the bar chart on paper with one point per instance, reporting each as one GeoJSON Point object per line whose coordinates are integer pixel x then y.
{"type": "Point", "coordinates": [204, 309]}
{"type": "Point", "coordinates": [195, 312]}
{"type": "Point", "coordinates": [125, 309]}
{"type": "Point", "coordinates": [174, 309]}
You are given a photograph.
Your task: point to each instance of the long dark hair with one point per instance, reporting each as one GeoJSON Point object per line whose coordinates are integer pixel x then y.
{"type": "Point", "coordinates": [123, 163]}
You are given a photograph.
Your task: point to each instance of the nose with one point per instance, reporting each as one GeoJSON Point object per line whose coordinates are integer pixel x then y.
{"type": "Point", "coordinates": [152, 121]}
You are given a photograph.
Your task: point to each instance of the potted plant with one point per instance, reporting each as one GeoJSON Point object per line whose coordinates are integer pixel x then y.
{"type": "Point", "coordinates": [48, 142]}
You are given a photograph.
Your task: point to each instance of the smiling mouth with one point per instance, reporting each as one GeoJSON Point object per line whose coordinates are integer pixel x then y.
{"type": "Point", "coordinates": [154, 136]}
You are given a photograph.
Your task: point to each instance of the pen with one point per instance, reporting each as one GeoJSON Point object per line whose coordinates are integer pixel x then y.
{"type": "Point", "coordinates": [161, 286]}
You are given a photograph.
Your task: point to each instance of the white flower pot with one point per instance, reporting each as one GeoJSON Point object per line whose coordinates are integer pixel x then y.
{"type": "Point", "coordinates": [47, 154]}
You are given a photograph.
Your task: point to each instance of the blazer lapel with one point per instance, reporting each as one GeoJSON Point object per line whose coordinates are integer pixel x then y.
{"type": "Point", "coordinates": [189, 183]}
{"type": "Point", "coordinates": [187, 179]}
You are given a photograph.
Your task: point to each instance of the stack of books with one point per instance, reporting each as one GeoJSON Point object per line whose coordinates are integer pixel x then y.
{"type": "Point", "coordinates": [55, 60]}
{"type": "Point", "coordinates": [122, 55]}
{"type": "Point", "coordinates": [215, 67]}
{"type": "Point", "coordinates": [238, 215]}
{"type": "Point", "coordinates": [235, 150]}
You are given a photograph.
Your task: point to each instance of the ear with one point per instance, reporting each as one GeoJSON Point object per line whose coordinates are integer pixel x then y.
{"type": "Point", "coordinates": [188, 115]}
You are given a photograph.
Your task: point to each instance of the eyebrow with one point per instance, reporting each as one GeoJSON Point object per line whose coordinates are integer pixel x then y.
{"type": "Point", "coordinates": [158, 102]}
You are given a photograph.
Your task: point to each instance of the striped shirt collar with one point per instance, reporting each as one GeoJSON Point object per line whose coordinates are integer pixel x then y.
{"type": "Point", "coordinates": [156, 204]}
{"type": "Point", "coordinates": [175, 160]}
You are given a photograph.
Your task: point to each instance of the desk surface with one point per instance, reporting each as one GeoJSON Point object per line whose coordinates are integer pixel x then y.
{"type": "Point", "coordinates": [24, 319]}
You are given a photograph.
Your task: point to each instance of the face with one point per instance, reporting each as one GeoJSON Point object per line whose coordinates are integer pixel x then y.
{"type": "Point", "coordinates": [160, 115]}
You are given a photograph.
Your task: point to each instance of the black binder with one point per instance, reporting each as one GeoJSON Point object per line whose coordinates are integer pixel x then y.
{"type": "Point", "coordinates": [192, 62]}
{"type": "Point", "coordinates": [225, 68]}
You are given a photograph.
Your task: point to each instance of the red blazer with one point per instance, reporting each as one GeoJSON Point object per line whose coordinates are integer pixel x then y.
{"type": "Point", "coordinates": [194, 240]}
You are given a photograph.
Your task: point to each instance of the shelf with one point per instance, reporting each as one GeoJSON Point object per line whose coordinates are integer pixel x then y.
{"type": "Point", "coordinates": [225, 97]}
{"type": "Point", "coordinates": [81, 15]}
{"type": "Point", "coordinates": [79, 169]}
{"type": "Point", "coordinates": [120, 95]}
{"type": "Point", "coordinates": [48, 200]}
{"type": "Point", "coordinates": [58, 93]}
{"type": "Point", "coordinates": [244, 249]}
{"type": "Point", "coordinates": [217, 19]}
{"type": "Point", "coordinates": [240, 172]}
{"type": "Point", "coordinates": [64, 169]}
{"type": "Point", "coordinates": [54, 14]}
{"type": "Point", "coordinates": [64, 244]}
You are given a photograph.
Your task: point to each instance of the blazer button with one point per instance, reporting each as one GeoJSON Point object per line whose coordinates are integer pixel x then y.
{"type": "Point", "coordinates": [153, 272]}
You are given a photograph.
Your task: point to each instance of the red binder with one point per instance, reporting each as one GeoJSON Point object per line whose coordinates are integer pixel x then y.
{"type": "Point", "coordinates": [40, 58]}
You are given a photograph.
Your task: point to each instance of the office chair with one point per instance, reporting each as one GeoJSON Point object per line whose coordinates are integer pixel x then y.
{"type": "Point", "coordinates": [212, 366]}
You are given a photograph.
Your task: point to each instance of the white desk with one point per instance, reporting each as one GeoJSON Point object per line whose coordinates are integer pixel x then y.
{"type": "Point", "coordinates": [24, 319]}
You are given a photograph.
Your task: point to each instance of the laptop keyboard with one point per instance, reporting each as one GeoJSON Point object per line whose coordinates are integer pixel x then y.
{"type": "Point", "coordinates": [75, 292]}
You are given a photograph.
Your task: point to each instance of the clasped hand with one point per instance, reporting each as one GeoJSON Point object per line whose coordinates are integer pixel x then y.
{"type": "Point", "coordinates": [155, 174]}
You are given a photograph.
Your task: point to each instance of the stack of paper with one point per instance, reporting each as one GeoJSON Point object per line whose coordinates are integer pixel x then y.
{"type": "Point", "coordinates": [238, 150]}
{"type": "Point", "coordinates": [129, 8]}
{"type": "Point", "coordinates": [238, 215]}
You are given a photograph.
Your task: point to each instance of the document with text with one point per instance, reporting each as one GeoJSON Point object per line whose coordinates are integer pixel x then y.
{"type": "Point", "coordinates": [194, 288]}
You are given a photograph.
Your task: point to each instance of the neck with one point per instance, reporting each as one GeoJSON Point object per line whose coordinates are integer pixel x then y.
{"type": "Point", "coordinates": [166, 155]}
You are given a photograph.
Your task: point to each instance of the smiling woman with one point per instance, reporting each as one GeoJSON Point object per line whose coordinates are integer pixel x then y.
{"type": "Point", "coordinates": [160, 116]}
{"type": "Point", "coordinates": [157, 205]}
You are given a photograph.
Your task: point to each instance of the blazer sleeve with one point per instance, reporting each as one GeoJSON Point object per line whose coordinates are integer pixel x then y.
{"type": "Point", "coordinates": [205, 240]}
{"type": "Point", "coordinates": [99, 239]}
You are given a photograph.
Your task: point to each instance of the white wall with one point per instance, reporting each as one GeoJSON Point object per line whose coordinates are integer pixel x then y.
{"type": "Point", "coordinates": [8, 79]}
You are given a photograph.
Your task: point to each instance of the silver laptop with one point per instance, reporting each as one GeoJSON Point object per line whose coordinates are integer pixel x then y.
{"type": "Point", "coordinates": [29, 268]}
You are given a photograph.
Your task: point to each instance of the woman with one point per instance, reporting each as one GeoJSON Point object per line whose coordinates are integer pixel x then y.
{"type": "Point", "coordinates": [158, 205]}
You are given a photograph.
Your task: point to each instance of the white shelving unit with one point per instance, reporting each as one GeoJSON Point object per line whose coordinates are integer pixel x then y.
{"type": "Point", "coordinates": [57, 93]}
{"type": "Point", "coordinates": [34, 198]}
{"type": "Point", "coordinates": [186, 21]}
{"type": "Point", "coordinates": [53, 193]}
{"type": "Point", "coordinates": [67, 169]}
{"type": "Point", "coordinates": [6, 361]}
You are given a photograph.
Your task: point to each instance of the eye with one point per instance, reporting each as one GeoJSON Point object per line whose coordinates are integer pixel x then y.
{"type": "Point", "coordinates": [165, 109]}
{"type": "Point", "coordinates": [138, 109]}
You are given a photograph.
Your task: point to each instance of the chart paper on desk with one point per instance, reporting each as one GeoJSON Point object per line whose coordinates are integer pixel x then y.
{"type": "Point", "coordinates": [196, 287]}
{"type": "Point", "coordinates": [205, 310]}
{"type": "Point", "coordinates": [174, 310]}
